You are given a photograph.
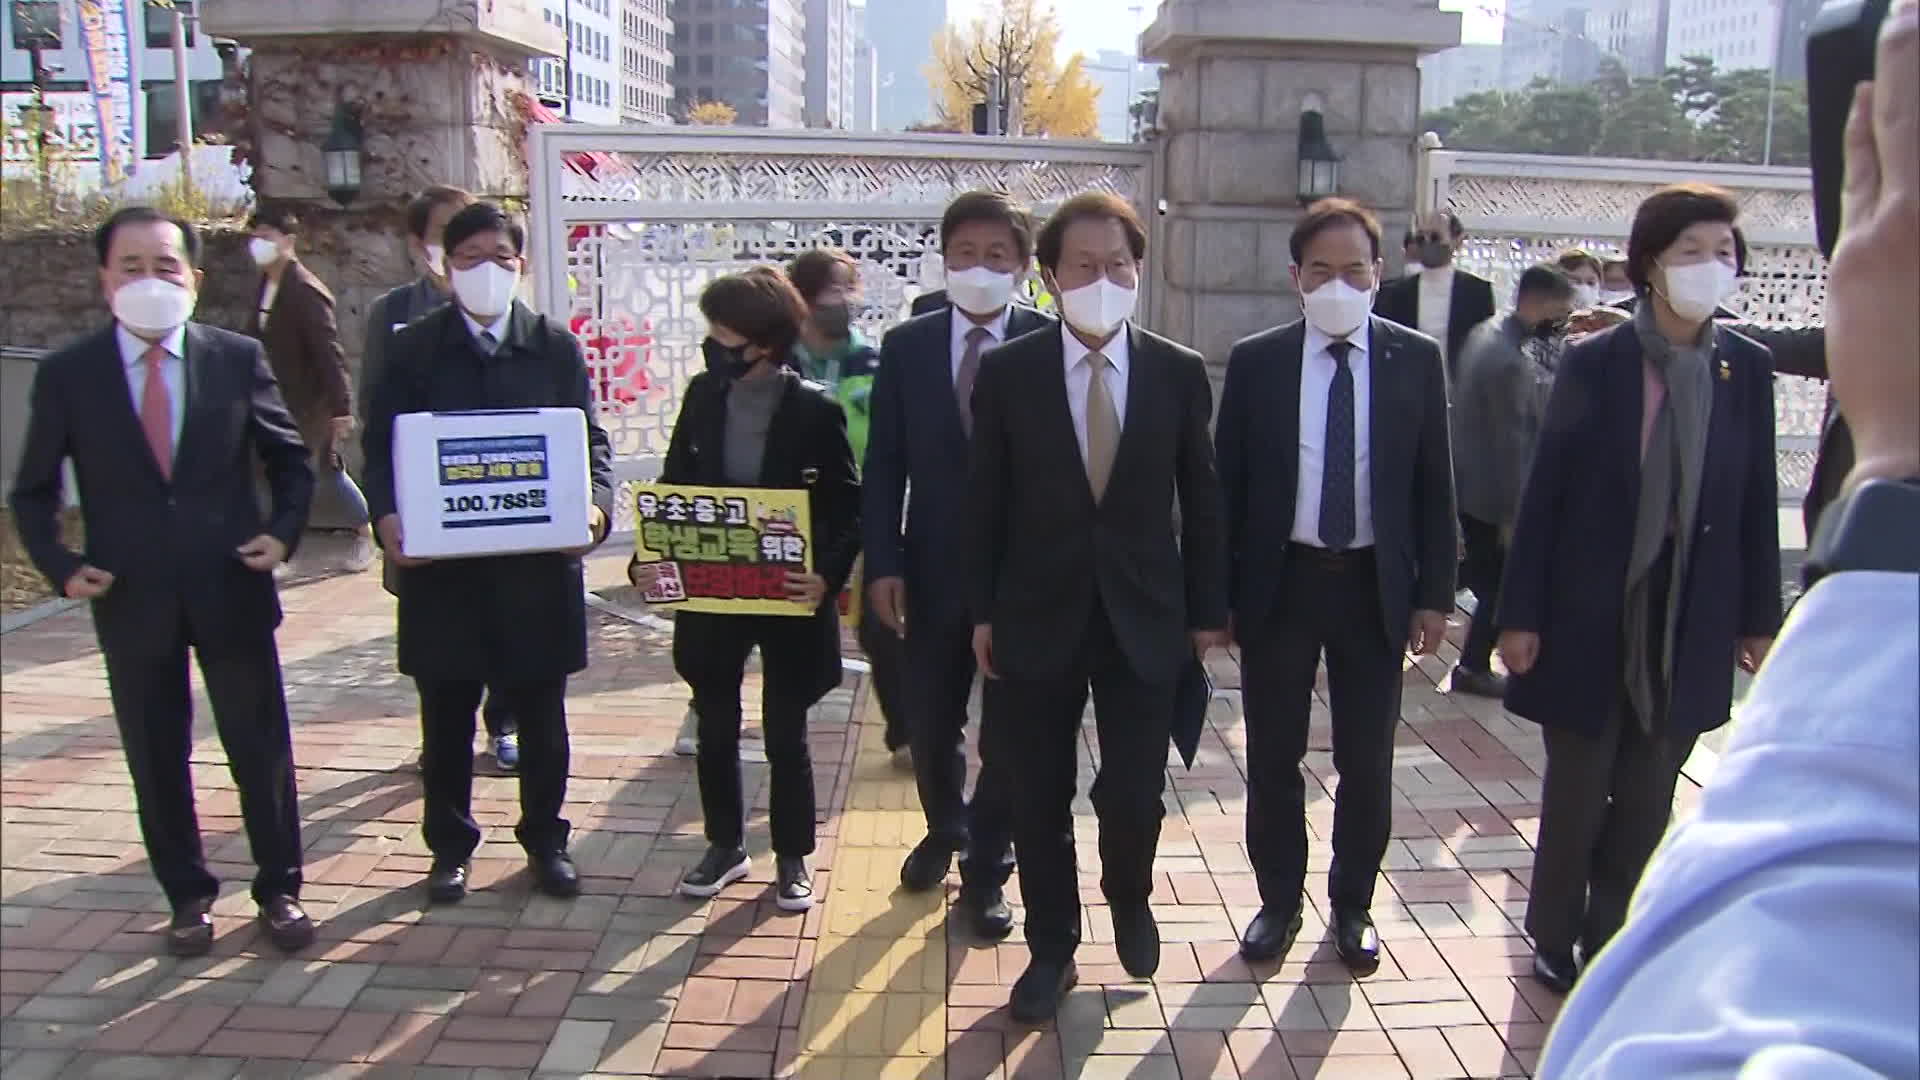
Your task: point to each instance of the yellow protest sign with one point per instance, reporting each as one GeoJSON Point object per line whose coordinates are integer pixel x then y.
{"type": "Point", "coordinates": [723, 550]}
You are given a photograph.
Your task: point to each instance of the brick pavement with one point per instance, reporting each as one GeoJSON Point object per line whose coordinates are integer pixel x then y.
{"type": "Point", "coordinates": [632, 980]}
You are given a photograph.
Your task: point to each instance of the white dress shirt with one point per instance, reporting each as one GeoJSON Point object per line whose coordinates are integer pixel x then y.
{"type": "Point", "coordinates": [173, 371]}
{"type": "Point", "coordinates": [1436, 304]}
{"type": "Point", "coordinates": [1080, 378]}
{"type": "Point", "coordinates": [267, 295]}
{"type": "Point", "coordinates": [1316, 382]}
{"type": "Point", "coordinates": [498, 328]}
{"type": "Point", "coordinates": [962, 326]}
{"type": "Point", "coordinates": [1773, 935]}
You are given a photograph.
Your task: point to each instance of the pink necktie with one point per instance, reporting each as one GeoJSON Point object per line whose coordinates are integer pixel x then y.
{"type": "Point", "coordinates": [156, 411]}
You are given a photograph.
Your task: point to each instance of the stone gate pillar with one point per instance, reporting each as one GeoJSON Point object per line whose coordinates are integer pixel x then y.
{"type": "Point", "coordinates": [440, 88]}
{"type": "Point", "coordinates": [1239, 74]}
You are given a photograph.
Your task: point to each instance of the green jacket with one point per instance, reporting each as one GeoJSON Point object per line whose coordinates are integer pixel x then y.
{"type": "Point", "coordinates": [848, 373]}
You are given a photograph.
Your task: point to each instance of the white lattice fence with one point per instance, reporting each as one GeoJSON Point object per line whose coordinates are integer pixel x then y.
{"type": "Point", "coordinates": [1522, 210]}
{"type": "Point", "coordinates": [633, 223]}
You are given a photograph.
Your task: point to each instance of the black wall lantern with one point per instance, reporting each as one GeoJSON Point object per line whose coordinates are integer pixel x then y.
{"type": "Point", "coordinates": [343, 153]}
{"type": "Point", "coordinates": [1319, 165]}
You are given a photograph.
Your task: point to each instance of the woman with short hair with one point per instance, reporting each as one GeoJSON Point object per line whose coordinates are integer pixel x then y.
{"type": "Point", "coordinates": [750, 421]}
{"type": "Point", "coordinates": [1646, 554]}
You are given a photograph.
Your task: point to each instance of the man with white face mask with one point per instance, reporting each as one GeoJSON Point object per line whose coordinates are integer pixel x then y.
{"type": "Point", "coordinates": [1334, 457]}
{"type": "Point", "coordinates": [294, 319]}
{"type": "Point", "coordinates": [179, 557]}
{"type": "Point", "coordinates": [919, 430]}
{"type": "Point", "coordinates": [510, 625]}
{"type": "Point", "coordinates": [1086, 438]}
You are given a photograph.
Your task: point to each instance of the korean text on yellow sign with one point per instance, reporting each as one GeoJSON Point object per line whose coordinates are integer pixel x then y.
{"type": "Point", "coordinates": [723, 550]}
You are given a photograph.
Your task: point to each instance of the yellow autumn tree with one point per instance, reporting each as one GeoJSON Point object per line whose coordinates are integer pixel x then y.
{"type": "Point", "coordinates": [1013, 46]}
{"type": "Point", "coordinates": [712, 114]}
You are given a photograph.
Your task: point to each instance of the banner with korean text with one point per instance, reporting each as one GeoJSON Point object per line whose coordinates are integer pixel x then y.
{"type": "Point", "coordinates": [723, 550]}
{"type": "Point", "coordinates": [108, 30]}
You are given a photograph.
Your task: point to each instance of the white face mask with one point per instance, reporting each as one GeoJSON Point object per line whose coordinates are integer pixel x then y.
{"type": "Point", "coordinates": [436, 260]}
{"type": "Point", "coordinates": [265, 252]}
{"type": "Point", "coordinates": [1099, 308]}
{"type": "Point", "coordinates": [1585, 296]}
{"type": "Point", "coordinates": [152, 307]}
{"type": "Point", "coordinates": [1696, 289]}
{"type": "Point", "coordinates": [1337, 309]}
{"type": "Point", "coordinates": [485, 291]}
{"type": "Point", "coordinates": [979, 290]}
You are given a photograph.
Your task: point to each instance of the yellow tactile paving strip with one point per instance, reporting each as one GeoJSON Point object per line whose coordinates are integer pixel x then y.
{"type": "Point", "coordinates": [876, 1003]}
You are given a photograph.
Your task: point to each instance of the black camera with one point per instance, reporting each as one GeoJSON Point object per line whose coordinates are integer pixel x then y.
{"type": "Point", "coordinates": [1840, 47]}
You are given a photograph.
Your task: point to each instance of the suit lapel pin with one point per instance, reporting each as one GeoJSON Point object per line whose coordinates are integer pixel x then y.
{"type": "Point", "coordinates": [809, 475]}
{"type": "Point", "coordinates": [1726, 372]}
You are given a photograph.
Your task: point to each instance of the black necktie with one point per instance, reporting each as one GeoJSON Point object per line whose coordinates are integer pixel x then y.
{"type": "Point", "coordinates": [1336, 477]}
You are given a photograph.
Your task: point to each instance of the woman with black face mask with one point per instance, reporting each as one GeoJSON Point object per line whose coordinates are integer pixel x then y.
{"type": "Point", "coordinates": [750, 421]}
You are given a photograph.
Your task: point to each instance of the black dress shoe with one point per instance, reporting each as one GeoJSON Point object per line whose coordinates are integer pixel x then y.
{"type": "Point", "coordinates": [1479, 683]}
{"type": "Point", "coordinates": [447, 883]}
{"type": "Point", "coordinates": [555, 874]}
{"type": "Point", "coordinates": [1355, 939]}
{"type": "Point", "coordinates": [288, 926]}
{"type": "Point", "coordinates": [1037, 994]}
{"type": "Point", "coordinates": [1270, 934]}
{"type": "Point", "coordinates": [987, 911]}
{"type": "Point", "coordinates": [1136, 937]}
{"type": "Point", "coordinates": [191, 931]}
{"type": "Point", "coordinates": [927, 865]}
{"type": "Point", "coordinates": [1555, 970]}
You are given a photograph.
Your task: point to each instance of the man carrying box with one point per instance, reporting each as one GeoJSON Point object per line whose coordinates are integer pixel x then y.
{"type": "Point", "coordinates": [512, 622]}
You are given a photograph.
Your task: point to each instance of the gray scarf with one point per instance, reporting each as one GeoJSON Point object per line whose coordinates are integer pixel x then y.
{"type": "Point", "coordinates": [1670, 474]}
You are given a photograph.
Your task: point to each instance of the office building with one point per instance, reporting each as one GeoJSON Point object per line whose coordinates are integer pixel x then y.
{"type": "Point", "coordinates": [583, 84]}
{"type": "Point", "coordinates": [829, 45]}
{"type": "Point", "coordinates": [1462, 71]}
{"type": "Point", "coordinates": [1122, 78]}
{"type": "Point", "coordinates": [1551, 40]}
{"type": "Point", "coordinates": [902, 33]}
{"type": "Point", "coordinates": [865, 84]}
{"type": "Point", "coordinates": [751, 56]}
{"type": "Point", "coordinates": [1737, 35]}
{"type": "Point", "coordinates": [646, 62]}
{"type": "Point", "coordinates": [1633, 33]}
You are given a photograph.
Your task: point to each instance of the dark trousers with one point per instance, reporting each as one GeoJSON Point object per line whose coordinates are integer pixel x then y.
{"type": "Point", "coordinates": [1132, 720]}
{"type": "Point", "coordinates": [1486, 561]}
{"type": "Point", "coordinates": [1327, 603]}
{"type": "Point", "coordinates": [447, 708]}
{"type": "Point", "coordinates": [886, 661]}
{"type": "Point", "coordinates": [941, 669]}
{"type": "Point", "coordinates": [153, 706]}
{"type": "Point", "coordinates": [1604, 806]}
{"type": "Point", "coordinates": [710, 652]}
{"type": "Point", "coordinates": [495, 716]}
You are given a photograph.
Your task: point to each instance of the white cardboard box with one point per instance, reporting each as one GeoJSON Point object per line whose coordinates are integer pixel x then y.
{"type": "Point", "coordinates": [494, 482]}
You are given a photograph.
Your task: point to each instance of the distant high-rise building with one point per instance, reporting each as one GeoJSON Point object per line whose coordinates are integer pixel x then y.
{"type": "Point", "coordinates": [902, 33]}
{"type": "Point", "coordinates": [751, 56]}
{"type": "Point", "coordinates": [646, 62]}
{"type": "Point", "coordinates": [584, 82]}
{"type": "Point", "coordinates": [865, 85]}
{"type": "Point", "coordinates": [1633, 33]}
{"type": "Point", "coordinates": [1116, 73]}
{"type": "Point", "coordinates": [1449, 75]}
{"type": "Point", "coordinates": [1794, 21]}
{"type": "Point", "coordinates": [1737, 35]}
{"type": "Point", "coordinates": [1548, 39]}
{"type": "Point", "coordinates": [829, 64]}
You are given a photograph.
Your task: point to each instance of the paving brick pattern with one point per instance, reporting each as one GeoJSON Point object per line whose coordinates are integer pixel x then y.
{"type": "Point", "coordinates": [631, 980]}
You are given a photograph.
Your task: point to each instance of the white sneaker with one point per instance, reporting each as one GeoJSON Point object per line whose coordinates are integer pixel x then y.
{"type": "Point", "coordinates": [687, 743]}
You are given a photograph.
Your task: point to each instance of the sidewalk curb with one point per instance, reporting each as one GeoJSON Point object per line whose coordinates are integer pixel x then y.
{"type": "Point", "coordinates": [46, 609]}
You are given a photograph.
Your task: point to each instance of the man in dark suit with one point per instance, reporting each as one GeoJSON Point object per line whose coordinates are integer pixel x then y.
{"type": "Point", "coordinates": [516, 623]}
{"type": "Point", "coordinates": [1441, 301]}
{"type": "Point", "coordinates": [1339, 490]}
{"type": "Point", "coordinates": [162, 419]}
{"type": "Point", "coordinates": [293, 318]}
{"type": "Point", "coordinates": [427, 217]}
{"type": "Point", "coordinates": [929, 302]}
{"type": "Point", "coordinates": [918, 437]}
{"type": "Point", "coordinates": [1085, 440]}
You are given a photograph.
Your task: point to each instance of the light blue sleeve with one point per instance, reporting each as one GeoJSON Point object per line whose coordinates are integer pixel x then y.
{"type": "Point", "coordinates": [1775, 933]}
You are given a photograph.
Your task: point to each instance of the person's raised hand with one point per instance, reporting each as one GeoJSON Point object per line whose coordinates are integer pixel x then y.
{"type": "Point", "coordinates": [1873, 323]}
